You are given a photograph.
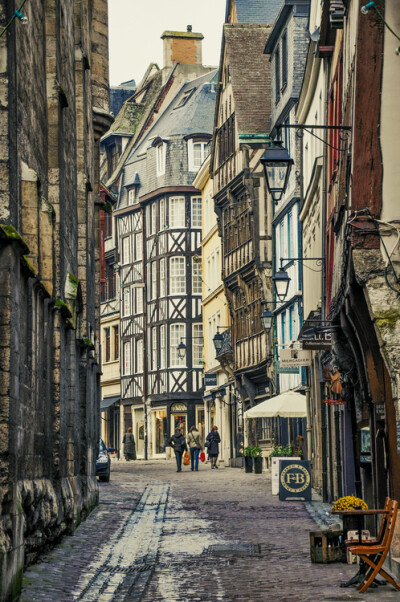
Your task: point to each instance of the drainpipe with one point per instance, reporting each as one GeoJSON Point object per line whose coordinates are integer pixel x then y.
{"type": "Point", "coordinates": [324, 446]}
{"type": "Point", "coordinates": [308, 409]}
{"type": "Point", "coordinates": [338, 454]}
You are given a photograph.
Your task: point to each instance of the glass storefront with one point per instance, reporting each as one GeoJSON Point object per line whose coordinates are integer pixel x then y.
{"type": "Point", "coordinates": [161, 434]}
{"type": "Point", "coordinates": [200, 423]}
{"type": "Point", "coordinates": [179, 417]}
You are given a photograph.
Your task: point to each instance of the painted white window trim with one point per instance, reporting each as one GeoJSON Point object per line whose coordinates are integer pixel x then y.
{"type": "Point", "coordinates": [160, 158]}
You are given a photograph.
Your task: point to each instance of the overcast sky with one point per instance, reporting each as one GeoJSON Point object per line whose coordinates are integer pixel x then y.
{"type": "Point", "coordinates": [135, 27]}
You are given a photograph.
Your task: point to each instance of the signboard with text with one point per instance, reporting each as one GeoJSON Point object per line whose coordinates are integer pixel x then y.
{"type": "Point", "coordinates": [295, 479]}
{"type": "Point", "coordinates": [210, 380]}
{"type": "Point", "coordinates": [290, 358]}
{"type": "Point", "coordinates": [318, 341]}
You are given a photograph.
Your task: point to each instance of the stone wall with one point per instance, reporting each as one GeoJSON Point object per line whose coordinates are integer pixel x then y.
{"type": "Point", "coordinates": [53, 110]}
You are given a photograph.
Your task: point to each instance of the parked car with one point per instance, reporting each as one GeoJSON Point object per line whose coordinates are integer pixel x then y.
{"type": "Point", "coordinates": [103, 462]}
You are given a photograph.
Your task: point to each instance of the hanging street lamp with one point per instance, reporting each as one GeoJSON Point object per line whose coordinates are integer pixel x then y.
{"type": "Point", "coordinates": [277, 164]}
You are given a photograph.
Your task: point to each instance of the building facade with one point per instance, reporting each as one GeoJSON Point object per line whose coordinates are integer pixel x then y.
{"type": "Point", "coordinates": [158, 220]}
{"type": "Point", "coordinates": [287, 48]}
{"type": "Point", "coordinates": [54, 87]}
{"type": "Point", "coordinates": [220, 395]}
{"type": "Point", "coordinates": [244, 220]}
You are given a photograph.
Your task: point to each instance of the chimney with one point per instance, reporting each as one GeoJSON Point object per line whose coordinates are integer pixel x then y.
{"type": "Point", "coordinates": [182, 47]}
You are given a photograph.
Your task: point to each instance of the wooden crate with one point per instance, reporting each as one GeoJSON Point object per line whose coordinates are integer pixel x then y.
{"type": "Point", "coordinates": [326, 546]}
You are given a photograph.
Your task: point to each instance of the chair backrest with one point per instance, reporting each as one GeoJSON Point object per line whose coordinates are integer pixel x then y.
{"type": "Point", "coordinates": [382, 526]}
{"type": "Point", "coordinates": [390, 525]}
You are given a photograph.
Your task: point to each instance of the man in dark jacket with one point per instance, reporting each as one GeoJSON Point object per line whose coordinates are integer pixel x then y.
{"type": "Point", "coordinates": [178, 443]}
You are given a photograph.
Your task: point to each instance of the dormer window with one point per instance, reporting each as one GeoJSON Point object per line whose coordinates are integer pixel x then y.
{"type": "Point", "coordinates": [132, 195]}
{"type": "Point", "coordinates": [184, 98]}
{"type": "Point", "coordinates": [160, 158]}
{"type": "Point", "coordinates": [198, 151]}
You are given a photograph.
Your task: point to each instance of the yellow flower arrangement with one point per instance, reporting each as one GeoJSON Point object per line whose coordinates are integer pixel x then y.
{"type": "Point", "coordinates": [349, 502]}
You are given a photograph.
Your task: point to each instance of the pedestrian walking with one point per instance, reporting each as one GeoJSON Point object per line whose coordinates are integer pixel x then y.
{"type": "Point", "coordinates": [212, 448]}
{"type": "Point", "coordinates": [178, 443]}
{"type": "Point", "coordinates": [194, 444]}
{"type": "Point", "coordinates": [129, 445]}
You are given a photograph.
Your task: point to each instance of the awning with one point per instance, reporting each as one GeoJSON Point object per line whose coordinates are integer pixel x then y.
{"type": "Point", "coordinates": [289, 404]}
{"type": "Point", "coordinates": [106, 403]}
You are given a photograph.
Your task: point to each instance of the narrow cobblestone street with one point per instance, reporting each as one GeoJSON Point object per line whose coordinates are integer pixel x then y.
{"type": "Point", "coordinates": [211, 535]}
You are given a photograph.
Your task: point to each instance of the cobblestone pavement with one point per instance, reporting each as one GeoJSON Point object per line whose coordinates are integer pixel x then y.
{"type": "Point", "coordinates": [159, 535]}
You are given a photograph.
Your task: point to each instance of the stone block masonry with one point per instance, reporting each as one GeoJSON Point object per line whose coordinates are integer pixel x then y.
{"type": "Point", "coordinates": [54, 108]}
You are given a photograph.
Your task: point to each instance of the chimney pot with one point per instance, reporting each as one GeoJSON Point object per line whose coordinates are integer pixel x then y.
{"type": "Point", "coordinates": [188, 28]}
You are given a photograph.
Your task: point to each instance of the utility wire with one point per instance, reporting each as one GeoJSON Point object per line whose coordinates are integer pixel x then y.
{"type": "Point", "coordinates": [12, 18]}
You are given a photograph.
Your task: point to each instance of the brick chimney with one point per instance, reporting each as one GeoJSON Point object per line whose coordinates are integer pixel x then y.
{"type": "Point", "coordinates": [182, 47]}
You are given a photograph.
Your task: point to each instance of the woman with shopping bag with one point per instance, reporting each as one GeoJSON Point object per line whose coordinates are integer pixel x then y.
{"type": "Point", "coordinates": [178, 443]}
{"type": "Point", "coordinates": [194, 446]}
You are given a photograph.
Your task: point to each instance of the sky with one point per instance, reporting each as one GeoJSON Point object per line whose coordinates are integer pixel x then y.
{"type": "Point", "coordinates": [135, 28]}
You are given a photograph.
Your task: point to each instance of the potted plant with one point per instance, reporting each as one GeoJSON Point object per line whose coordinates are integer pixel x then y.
{"type": "Point", "coordinates": [279, 452]}
{"type": "Point", "coordinates": [257, 458]}
{"type": "Point", "coordinates": [248, 459]}
{"type": "Point", "coordinates": [350, 502]}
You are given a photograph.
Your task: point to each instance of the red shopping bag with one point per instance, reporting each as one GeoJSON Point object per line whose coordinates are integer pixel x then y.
{"type": "Point", "coordinates": [203, 457]}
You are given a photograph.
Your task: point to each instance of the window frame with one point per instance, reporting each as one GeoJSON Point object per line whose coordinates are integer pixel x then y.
{"type": "Point", "coordinates": [195, 211]}
{"type": "Point", "coordinates": [179, 328]}
{"type": "Point", "coordinates": [174, 202]}
{"type": "Point", "coordinates": [160, 158]}
{"type": "Point", "coordinates": [177, 275]}
{"type": "Point", "coordinates": [115, 329]}
{"type": "Point", "coordinates": [194, 165]}
{"type": "Point", "coordinates": [126, 365]}
{"type": "Point", "coordinates": [196, 277]}
{"type": "Point", "coordinates": [197, 346]}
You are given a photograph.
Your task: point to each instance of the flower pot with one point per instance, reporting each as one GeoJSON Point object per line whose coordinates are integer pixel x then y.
{"type": "Point", "coordinates": [248, 464]}
{"type": "Point", "coordinates": [258, 464]}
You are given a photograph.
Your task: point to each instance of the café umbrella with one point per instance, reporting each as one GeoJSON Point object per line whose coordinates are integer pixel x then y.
{"type": "Point", "coordinates": [289, 404]}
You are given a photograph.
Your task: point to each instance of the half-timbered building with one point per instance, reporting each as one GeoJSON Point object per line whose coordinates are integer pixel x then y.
{"type": "Point", "coordinates": [241, 122]}
{"type": "Point", "coordinates": [158, 221]}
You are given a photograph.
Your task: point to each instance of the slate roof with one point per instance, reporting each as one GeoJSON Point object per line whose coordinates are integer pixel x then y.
{"type": "Point", "coordinates": [250, 75]}
{"type": "Point", "coordinates": [256, 11]}
{"type": "Point", "coordinates": [196, 116]}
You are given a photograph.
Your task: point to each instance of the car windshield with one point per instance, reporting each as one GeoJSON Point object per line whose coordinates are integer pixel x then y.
{"type": "Point", "coordinates": [102, 447]}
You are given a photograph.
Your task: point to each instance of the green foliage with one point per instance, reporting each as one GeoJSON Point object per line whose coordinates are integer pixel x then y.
{"type": "Point", "coordinates": [247, 451]}
{"type": "Point", "coordinates": [256, 452]}
{"type": "Point", "coordinates": [281, 450]}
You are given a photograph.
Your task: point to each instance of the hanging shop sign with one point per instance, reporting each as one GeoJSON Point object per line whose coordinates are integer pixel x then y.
{"type": "Point", "coordinates": [334, 402]}
{"type": "Point", "coordinates": [210, 380]}
{"type": "Point", "coordinates": [295, 480]}
{"type": "Point", "coordinates": [281, 370]}
{"type": "Point", "coordinates": [318, 341]}
{"type": "Point", "coordinates": [294, 357]}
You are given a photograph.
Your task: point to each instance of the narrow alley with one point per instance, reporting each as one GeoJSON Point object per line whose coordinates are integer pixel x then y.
{"type": "Point", "coordinates": [211, 535]}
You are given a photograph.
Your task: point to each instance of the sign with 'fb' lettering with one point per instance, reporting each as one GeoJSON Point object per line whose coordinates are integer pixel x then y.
{"type": "Point", "coordinates": [295, 479]}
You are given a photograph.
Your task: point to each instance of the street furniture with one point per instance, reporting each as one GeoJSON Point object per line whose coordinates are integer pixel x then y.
{"type": "Point", "coordinates": [326, 546]}
{"type": "Point", "coordinates": [372, 555]}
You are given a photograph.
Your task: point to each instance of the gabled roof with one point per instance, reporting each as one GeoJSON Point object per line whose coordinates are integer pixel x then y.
{"type": "Point", "coordinates": [154, 89]}
{"type": "Point", "coordinates": [249, 69]}
{"type": "Point", "coordinates": [254, 11]}
{"type": "Point", "coordinates": [194, 117]}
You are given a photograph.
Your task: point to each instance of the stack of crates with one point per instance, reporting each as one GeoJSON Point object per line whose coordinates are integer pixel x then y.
{"type": "Point", "coordinates": [326, 546]}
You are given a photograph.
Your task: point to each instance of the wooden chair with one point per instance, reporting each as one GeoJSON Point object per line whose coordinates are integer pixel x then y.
{"type": "Point", "coordinates": [375, 555]}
